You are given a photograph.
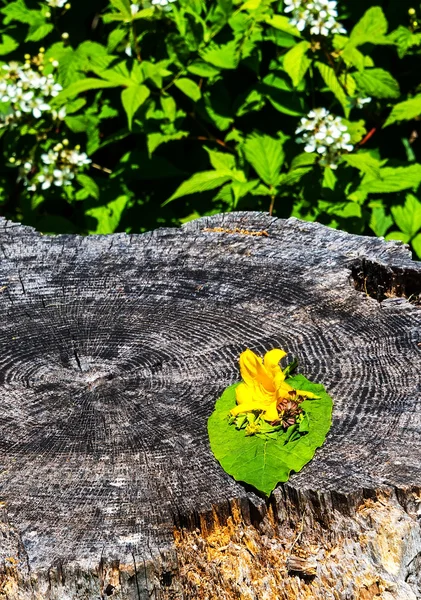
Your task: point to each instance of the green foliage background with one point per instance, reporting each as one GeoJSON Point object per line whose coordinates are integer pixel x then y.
{"type": "Point", "coordinates": [201, 118]}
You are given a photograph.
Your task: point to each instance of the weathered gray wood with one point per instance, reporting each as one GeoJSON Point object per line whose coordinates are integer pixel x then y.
{"type": "Point", "coordinates": [113, 352]}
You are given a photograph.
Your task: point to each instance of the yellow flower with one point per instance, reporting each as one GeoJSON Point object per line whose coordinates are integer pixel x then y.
{"type": "Point", "coordinates": [263, 385]}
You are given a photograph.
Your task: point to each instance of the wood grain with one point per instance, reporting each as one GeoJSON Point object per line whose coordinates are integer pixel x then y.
{"type": "Point", "coordinates": [113, 352]}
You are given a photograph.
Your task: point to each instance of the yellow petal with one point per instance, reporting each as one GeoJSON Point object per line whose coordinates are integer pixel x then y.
{"type": "Point", "coordinates": [283, 390]}
{"type": "Point", "coordinates": [279, 379]}
{"type": "Point", "coordinates": [243, 393]}
{"type": "Point", "coordinates": [253, 371]}
{"type": "Point", "coordinates": [243, 408]}
{"type": "Point", "coordinates": [271, 414]}
{"type": "Point", "coordinates": [271, 361]}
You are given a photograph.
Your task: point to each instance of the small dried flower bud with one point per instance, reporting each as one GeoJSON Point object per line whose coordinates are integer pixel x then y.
{"type": "Point", "coordinates": [65, 36]}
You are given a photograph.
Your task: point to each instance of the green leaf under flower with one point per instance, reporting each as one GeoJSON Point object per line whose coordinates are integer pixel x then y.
{"type": "Point", "coordinates": [265, 461]}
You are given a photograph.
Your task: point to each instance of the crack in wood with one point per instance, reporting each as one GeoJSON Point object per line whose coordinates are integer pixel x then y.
{"type": "Point", "coordinates": [381, 281]}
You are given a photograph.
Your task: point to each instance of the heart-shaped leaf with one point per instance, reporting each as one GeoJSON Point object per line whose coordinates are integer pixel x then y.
{"type": "Point", "coordinates": [265, 461]}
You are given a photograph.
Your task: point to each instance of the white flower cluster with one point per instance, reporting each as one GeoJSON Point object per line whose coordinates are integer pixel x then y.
{"type": "Point", "coordinates": [162, 2]}
{"type": "Point", "coordinates": [325, 134]}
{"type": "Point", "coordinates": [56, 3]}
{"type": "Point", "coordinates": [27, 91]}
{"type": "Point", "coordinates": [165, 4]}
{"type": "Point", "coordinates": [317, 15]}
{"type": "Point", "coordinates": [359, 102]}
{"type": "Point", "coordinates": [59, 168]}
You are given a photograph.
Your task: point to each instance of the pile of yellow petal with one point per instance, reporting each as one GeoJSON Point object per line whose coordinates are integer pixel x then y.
{"type": "Point", "coordinates": [266, 403]}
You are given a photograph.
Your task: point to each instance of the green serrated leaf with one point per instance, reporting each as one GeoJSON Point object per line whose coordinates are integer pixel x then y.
{"type": "Point", "coordinates": [189, 87]}
{"type": "Point", "coordinates": [115, 38]}
{"type": "Point", "coordinates": [356, 130]}
{"type": "Point", "coordinates": [266, 156]}
{"type": "Point", "coordinates": [341, 210]}
{"type": "Point", "coordinates": [82, 86]}
{"type": "Point", "coordinates": [226, 7]}
{"type": "Point", "coordinates": [353, 57]}
{"type": "Point", "coordinates": [221, 160]}
{"type": "Point", "coordinates": [416, 244]}
{"type": "Point", "coordinates": [18, 11]}
{"type": "Point", "coordinates": [404, 39]}
{"type": "Point", "coordinates": [154, 140]}
{"type": "Point", "coordinates": [224, 56]}
{"type": "Point", "coordinates": [39, 32]}
{"type": "Point", "coordinates": [146, 13]}
{"type": "Point", "coordinates": [89, 187]}
{"type": "Point", "coordinates": [95, 57]}
{"type": "Point", "coordinates": [332, 82]}
{"type": "Point", "coordinates": [123, 6]}
{"type": "Point", "coordinates": [348, 84]}
{"type": "Point", "coordinates": [248, 102]}
{"type": "Point", "coordinates": [304, 159]}
{"type": "Point", "coordinates": [132, 98]}
{"type": "Point", "coordinates": [377, 83]}
{"type": "Point", "coordinates": [329, 178]}
{"type": "Point", "coordinates": [261, 190]}
{"type": "Point", "coordinates": [393, 179]}
{"type": "Point", "coordinates": [371, 28]}
{"type": "Point", "coordinates": [119, 75]}
{"type": "Point", "coordinates": [200, 182]}
{"type": "Point", "coordinates": [169, 107]}
{"type": "Point", "coordinates": [283, 24]}
{"type": "Point", "coordinates": [380, 222]}
{"type": "Point", "coordinates": [282, 96]}
{"type": "Point", "coordinates": [241, 189]}
{"type": "Point", "coordinates": [263, 462]}
{"type": "Point", "coordinates": [296, 62]}
{"type": "Point", "coordinates": [7, 45]}
{"type": "Point", "coordinates": [107, 216]}
{"type": "Point", "coordinates": [399, 236]}
{"type": "Point", "coordinates": [217, 103]}
{"type": "Point", "coordinates": [405, 111]}
{"type": "Point", "coordinates": [70, 65]}
{"type": "Point", "coordinates": [74, 105]}
{"type": "Point", "coordinates": [202, 69]}
{"type": "Point", "coordinates": [293, 176]}
{"type": "Point", "coordinates": [408, 216]}
{"type": "Point", "coordinates": [251, 5]}
{"type": "Point", "coordinates": [364, 162]}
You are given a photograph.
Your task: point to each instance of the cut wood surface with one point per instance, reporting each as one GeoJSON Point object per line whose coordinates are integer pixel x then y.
{"type": "Point", "coordinates": [113, 352]}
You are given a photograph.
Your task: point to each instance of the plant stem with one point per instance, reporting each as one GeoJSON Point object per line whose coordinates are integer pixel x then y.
{"type": "Point", "coordinates": [272, 201]}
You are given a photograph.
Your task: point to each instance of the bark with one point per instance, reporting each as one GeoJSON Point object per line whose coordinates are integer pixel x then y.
{"type": "Point", "coordinates": [113, 352]}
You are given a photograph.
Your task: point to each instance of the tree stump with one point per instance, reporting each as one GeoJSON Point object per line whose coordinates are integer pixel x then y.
{"type": "Point", "coordinates": [113, 352]}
